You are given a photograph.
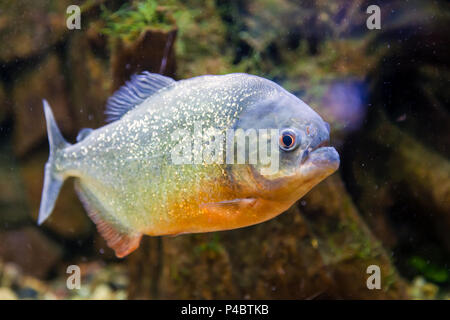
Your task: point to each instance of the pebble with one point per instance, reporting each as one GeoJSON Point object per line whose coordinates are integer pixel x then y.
{"type": "Point", "coordinates": [7, 294]}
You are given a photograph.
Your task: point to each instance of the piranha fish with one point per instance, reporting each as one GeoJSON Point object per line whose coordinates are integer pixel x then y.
{"type": "Point", "coordinates": [129, 185]}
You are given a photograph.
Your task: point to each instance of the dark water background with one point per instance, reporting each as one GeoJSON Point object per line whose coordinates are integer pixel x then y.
{"type": "Point", "coordinates": [384, 92]}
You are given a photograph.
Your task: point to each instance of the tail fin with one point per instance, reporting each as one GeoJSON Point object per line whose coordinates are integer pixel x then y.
{"type": "Point", "coordinates": [52, 179]}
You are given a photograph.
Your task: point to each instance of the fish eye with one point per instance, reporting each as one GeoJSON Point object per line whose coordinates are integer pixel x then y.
{"type": "Point", "coordinates": [288, 140]}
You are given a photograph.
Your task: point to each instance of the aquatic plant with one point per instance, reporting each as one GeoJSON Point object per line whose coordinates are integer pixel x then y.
{"type": "Point", "coordinates": [130, 20]}
{"type": "Point", "coordinates": [431, 271]}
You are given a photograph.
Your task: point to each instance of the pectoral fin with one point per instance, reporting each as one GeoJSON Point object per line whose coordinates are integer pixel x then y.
{"type": "Point", "coordinates": [234, 206]}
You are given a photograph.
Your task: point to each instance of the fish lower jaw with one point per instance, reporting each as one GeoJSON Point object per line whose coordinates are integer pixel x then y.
{"type": "Point", "coordinates": [323, 159]}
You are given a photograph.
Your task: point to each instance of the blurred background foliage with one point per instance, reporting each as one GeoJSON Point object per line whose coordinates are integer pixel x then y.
{"type": "Point", "coordinates": [383, 92]}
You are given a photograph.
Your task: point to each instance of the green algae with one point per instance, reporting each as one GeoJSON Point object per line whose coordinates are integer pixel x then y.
{"type": "Point", "coordinates": [129, 21]}
{"type": "Point", "coordinates": [431, 271]}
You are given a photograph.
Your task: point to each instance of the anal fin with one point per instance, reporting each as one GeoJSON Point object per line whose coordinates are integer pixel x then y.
{"type": "Point", "coordinates": [122, 242]}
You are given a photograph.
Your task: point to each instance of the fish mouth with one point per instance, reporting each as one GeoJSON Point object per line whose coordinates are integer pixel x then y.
{"type": "Point", "coordinates": [321, 157]}
{"type": "Point", "coordinates": [324, 143]}
{"type": "Point", "coordinates": [309, 150]}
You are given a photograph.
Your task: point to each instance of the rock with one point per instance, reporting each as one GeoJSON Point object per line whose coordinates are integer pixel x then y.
{"type": "Point", "coordinates": [27, 293]}
{"type": "Point", "coordinates": [69, 219]}
{"type": "Point", "coordinates": [7, 294]}
{"type": "Point", "coordinates": [44, 82]}
{"type": "Point", "coordinates": [32, 288]}
{"type": "Point", "coordinates": [102, 292]}
{"type": "Point", "coordinates": [28, 248]}
{"type": "Point", "coordinates": [10, 274]}
{"type": "Point", "coordinates": [100, 281]}
{"type": "Point", "coordinates": [13, 204]}
{"type": "Point", "coordinates": [420, 289]}
{"type": "Point", "coordinates": [30, 27]}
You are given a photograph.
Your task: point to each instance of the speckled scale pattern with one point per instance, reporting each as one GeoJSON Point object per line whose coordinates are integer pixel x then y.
{"type": "Point", "coordinates": [127, 165]}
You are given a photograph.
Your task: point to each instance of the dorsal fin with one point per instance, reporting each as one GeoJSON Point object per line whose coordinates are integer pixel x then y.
{"type": "Point", "coordinates": [134, 92]}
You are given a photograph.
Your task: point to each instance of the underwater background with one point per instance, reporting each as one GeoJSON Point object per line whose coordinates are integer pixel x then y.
{"type": "Point", "coordinates": [383, 91]}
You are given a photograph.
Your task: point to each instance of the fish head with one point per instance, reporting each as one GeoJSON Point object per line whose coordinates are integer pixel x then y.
{"type": "Point", "coordinates": [300, 155]}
